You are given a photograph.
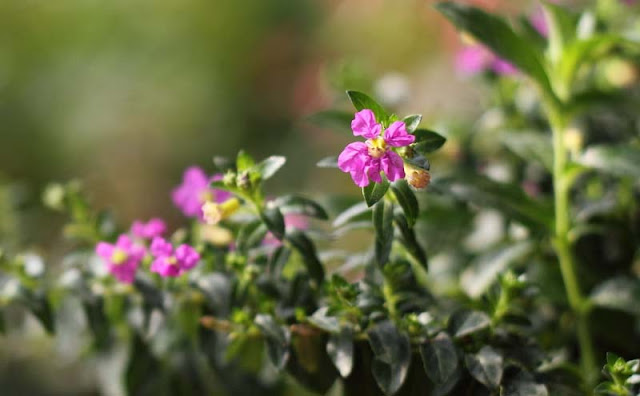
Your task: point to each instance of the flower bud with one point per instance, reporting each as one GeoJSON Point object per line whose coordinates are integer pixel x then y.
{"type": "Point", "coordinates": [215, 212]}
{"type": "Point", "coordinates": [244, 181]}
{"type": "Point", "coordinates": [416, 177]}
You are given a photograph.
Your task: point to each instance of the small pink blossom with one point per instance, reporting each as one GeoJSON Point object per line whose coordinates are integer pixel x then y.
{"type": "Point", "coordinates": [195, 190]}
{"type": "Point", "coordinates": [122, 259]}
{"type": "Point", "coordinates": [365, 161]}
{"type": "Point", "coordinates": [151, 229]}
{"type": "Point", "coordinates": [172, 262]}
{"type": "Point", "coordinates": [474, 59]}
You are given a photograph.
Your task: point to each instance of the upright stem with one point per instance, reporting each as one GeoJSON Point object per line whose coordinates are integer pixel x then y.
{"type": "Point", "coordinates": [562, 244]}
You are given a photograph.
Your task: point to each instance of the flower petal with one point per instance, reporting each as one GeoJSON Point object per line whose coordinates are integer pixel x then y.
{"type": "Point", "coordinates": [160, 247]}
{"type": "Point", "coordinates": [373, 170]}
{"type": "Point", "coordinates": [360, 177]}
{"type": "Point", "coordinates": [353, 157]}
{"type": "Point", "coordinates": [397, 136]}
{"type": "Point", "coordinates": [104, 250]}
{"type": "Point", "coordinates": [364, 124]}
{"type": "Point", "coordinates": [393, 166]}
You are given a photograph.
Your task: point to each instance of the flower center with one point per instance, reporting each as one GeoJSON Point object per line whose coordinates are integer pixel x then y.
{"type": "Point", "coordinates": [205, 196]}
{"type": "Point", "coordinates": [119, 256]}
{"type": "Point", "coordinates": [377, 147]}
{"type": "Point", "coordinates": [172, 260]}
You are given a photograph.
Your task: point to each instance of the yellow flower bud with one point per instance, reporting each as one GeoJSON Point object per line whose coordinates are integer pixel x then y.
{"type": "Point", "coordinates": [215, 212]}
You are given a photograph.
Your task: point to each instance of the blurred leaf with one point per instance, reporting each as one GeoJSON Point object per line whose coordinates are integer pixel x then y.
{"type": "Point", "coordinates": [531, 146]}
{"type": "Point", "coordinates": [408, 239]}
{"type": "Point", "coordinates": [250, 235]}
{"type": "Point", "coordinates": [351, 213]}
{"type": "Point", "coordinates": [301, 205]}
{"type": "Point", "coordinates": [328, 162]}
{"type": "Point", "coordinates": [496, 34]}
{"type": "Point", "coordinates": [41, 308]}
{"type": "Point", "coordinates": [392, 352]}
{"type": "Point", "coordinates": [419, 161]}
{"type": "Point", "coordinates": [332, 119]}
{"type": "Point", "coordinates": [277, 261]}
{"type": "Point", "coordinates": [407, 200]}
{"type": "Point", "coordinates": [98, 323]}
{"type": "Point", "coordinates": [562, 29]}
{"type": "Point", "coordinates": [383, 226]}
{"type": "Point", "coordinates": [608, 389]}
{"type": "Point", "coordinates": [374, 192]}
{"type": "Point", "coordinates": [361, 101]}
{"type": "Point", "coordinates": [620, 293]}
{"type": "Point", "coordinates": [143, 374]}
{"type": "Point", "coordinates": [465, 323]}
{"type": "Point", "coordinates": [274, 221]}
{"type": "Point", "coordinates": [522, 387]}
{"type": "Point", "coordinates": [244, 161]}
{"type": "Point", "coordinates": [218, 290]}
{"type": "Point", "coordinates": [340, 350]}
{"type": "Point", "coordinates": [411, 122]}
{"type": "Point", "coordinates": [322, 320]}
{"type": "Point", "coordinates": [486, 367]}
{"type": "Point", "coordinates": [619, 160]}
{"type": "Point", "coordinates": [269, 166]}
{"type": "Point", "coordinates": [440, 358]}
{"type": "Point", "coordinates": [277, 339]}
{"type": "Point", "coordinates": [507, 198]}
{"type": "Point", "coordinates": [483, 271]}
{"type": "Point", "coordinates": [427, 141]}
{"type": "Point", "coordinates": [308, 251]}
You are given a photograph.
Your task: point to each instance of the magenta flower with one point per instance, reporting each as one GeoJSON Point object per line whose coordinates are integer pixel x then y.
{"type": "Point", "coordinates": [151, 229]}
{"type": "Point", "coordinates": [474, 59]}
{"type": "Point", "coordinates": [539, 22]}
{"type": "Point", "coordinates": [172, 262]}
{"type": "Point", "coordinates": [122, 259]}
{"type": "Point", "coordinates": [195, 191]}
{"type": "Point", "coordinates": [365, 161]}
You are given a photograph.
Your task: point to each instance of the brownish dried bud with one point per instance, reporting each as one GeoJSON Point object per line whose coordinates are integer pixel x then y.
{"type": "Point", "coordinates": [417, 178]}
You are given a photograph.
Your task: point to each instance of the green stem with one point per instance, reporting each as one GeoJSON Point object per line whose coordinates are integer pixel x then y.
{"type": "Point", "coordinates": [390, 299]}
{"type": "Point", "coordinates": [562, 244]}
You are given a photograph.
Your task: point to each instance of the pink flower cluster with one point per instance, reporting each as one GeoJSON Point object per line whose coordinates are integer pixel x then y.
{"type": "Point", "coordinates": [365, 161]}
{"type": "Point", "coordinates": [195, 191]}
{"type": "Point", "coordinates": [172, 262]}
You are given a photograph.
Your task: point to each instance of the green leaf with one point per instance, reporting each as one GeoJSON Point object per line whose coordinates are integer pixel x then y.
{"type": "Point", "coordinates": [277, 339]}
{"type": "Point", "coordinates": [392, 352]}
{"type": "Point", "coordinates": [486, 366]}
{"type": "Point", "coordinates": [465, 323]}
{"type": "Point", "coordinates": [301, 205]}
{"type": "Point", "coordinates": [340, 350]}
{"type": "Point", "coordinates": [250, 235]}
{"type": "Point", "coordinates": [278, 260]}
{"type": "Point", "coordinates": [244, 161]}
{"type": "Point", "coordinates": [440, 358]}
{"type": "Point", "coordinates": [608, 388]}
{"type": "Point", "coordinates": [618, 160]}
{"type": "Point", "coordinates": [408, 239]}
{"type": "Point", "coordinates": [375, 191]}
{"type": "Point", "coordinates": [620, 293]}
{"type": "Point", "coordinates": [41, 308]}
{"type": "Point", "coordinates": [407, 200]}
{"type": "Point", "coordinates": [524, 387]}
{"type": "Point", "coordinates": [308, 251]}
{"type": "Point", "coordinates": [562, 29]}
{"type": "Point", "coordinates": [361, 101]}
{"type": "Point", "coordinates": [531, 146]}
{"type": "Point", "coordinates": [483, 271]}
{"type": "Point", "coordinates": [411, 122]}
{"type": "Point", "coordinates": [427, 141]}
{"type": "Point", "coordinates": [274, 220]}
{"type": "Point", "coordinates": [332, 119]}
{"type": "Point", "coordinates": [141, 363]}
{"type": "Point", "coordinates": [269, 166]}
{"type": "Point", "coordinates": [351, 213]}
{"type": "Point", "coordinates": [507, 198]}
{"type": "Point", "coordinates": [322, 320]}
{"type": "Point", "coordinates": [383, 226]}
{"type": "Point", "coordinates": [328, 162]}
{"type": "Point", "coordinates": [496, 34]}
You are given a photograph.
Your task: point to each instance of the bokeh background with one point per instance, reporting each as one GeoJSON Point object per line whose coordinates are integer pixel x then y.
{"type": "Point", "coordinates": [125, 94]}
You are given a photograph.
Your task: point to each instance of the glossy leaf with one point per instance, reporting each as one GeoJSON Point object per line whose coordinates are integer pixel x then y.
{"type": "Point", "coordinates": [620, 293]}
{"type": "Point", "coordinates": [562, 29]}
{"type": "Point", "coordinates": [250, 235]}
{"type": "Point", "coordinates": [274, 220]}
{"type": "Point", "coordinates": [340, 350]}
{"type": "Point", "coordinates": [383, 226]}
{"type": "Point", "coordinates": [269, 166]}
{"type": "Point", "coordinates": [440, 358]}
{"type": "Point", "coordinates": [375, 191]}
{"type": "Point", "coordinates": [408, 239]}
{"type": "Point", "coordinates": [465, 323]}
{"type": "Point", "coordinates": [244, 161]}
{"type": "Point", "coordinates": [530, 146]}
{"type": "Point", "coordinates": [427, 141]}
{"type": "Point", "coordinates": [392, 356]}
{"type": "Point", "coordinates": [276, 338]}
{"type": "Point", "coordinates": [300, 205]}
{"type": "Point", "coordinates": [308, 251]}
{"type": "Point", "coordinates": [407, 200]}
{"type": "Point", "coordinates": [496, 34]}
{"type": "Point", "coordinates": [619, 160]}
{"type": "Point", "coordinates": [362, 101]}
{"type": "Point", "coordinates": [486, 366]}
{"type": "Point", "coordinates": [411, 122]}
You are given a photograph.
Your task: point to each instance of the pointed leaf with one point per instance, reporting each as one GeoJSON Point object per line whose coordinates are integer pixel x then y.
{"type": "Point", "coordinates": [308, 251]}
{"type": "Point", "coordinates": [531, 146]}
{"type": "Point", "coordinates": [392, 352]}
{"type": "Point", "coordinates": [301, 205]}
{"type": "Point", "coordinates": [351, 213]}
{"type": "Point", "coordinates": [375, 191]}
{"type": "Point", "coordinates": [269, 166]}
{"type": "Point", "coordinates": [383, 226]}
{"type": "Point", "coordinates": [408, 239]}
{"type": "Point", "coordinates": [619, 293]}
{"type": "Point", "coordinates": [427, 141]}
{"type": "Point", "coordinates": [277, 339]}
{"type": "Point", "coordinates": [274, 220]}
{"type": "Point", "coordinates": [465, 323]}
{"type": "Point", "coordinates": [244, 161]}
{"type": "Point", "coordinates": [328, 162]}
{"type": "Point", "coordinates": [411, 122]}
{"type": "Point", "coordinates": [618, 160]}
{"type": "Point", "coordinates": [407, 200]}
{"type": "Point", "coordinates": [340, 350]}
{"type": "Point", "coordinates": [440, 358]}
{"type": "Point", "coordinates": [361, 101]}
{"type": "Point", "coordinates": [486, 366]}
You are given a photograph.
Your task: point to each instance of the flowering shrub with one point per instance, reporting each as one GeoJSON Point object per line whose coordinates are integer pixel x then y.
{"type": "Point", "coordinates": [251, 293]}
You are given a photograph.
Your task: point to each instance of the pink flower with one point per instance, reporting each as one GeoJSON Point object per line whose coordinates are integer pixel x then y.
{"type": "Point", "coordinates": [539, 22]}
{"type": "Point", "coordinates": [365, 161]}
{"type": "Point", "coordinates": [195, 191]}
{"type": "Point", "coordinates": [474, 59]}
{"type": "Point", "coordinates": [151, 229]}
{"type": "Point", "coordinates": [122, 259]}
{"type": "Point", "coordinates": [172, 262]}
